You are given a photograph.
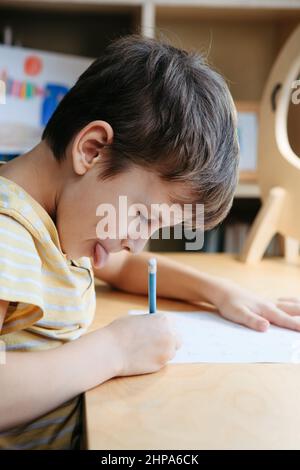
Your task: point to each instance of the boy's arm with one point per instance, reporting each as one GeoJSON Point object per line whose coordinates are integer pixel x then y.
{"type": "Point", "coordinates": [129, 272]}
{"type": "Point", "coordinates": [34, 383]}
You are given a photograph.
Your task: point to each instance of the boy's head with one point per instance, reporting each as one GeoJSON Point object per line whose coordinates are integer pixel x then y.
{"type": "Point", "coordinates": [148, 121]}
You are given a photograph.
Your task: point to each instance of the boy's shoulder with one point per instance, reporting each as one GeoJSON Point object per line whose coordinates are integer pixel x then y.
{"type": "Point", "coordinates": [22, 213]}
{"type": "Point", "coordinates": [13, 230]}
{"type": "Point", "coordinates": [17, 244]}
{"type": "Point", "coordinates": [11, 225]}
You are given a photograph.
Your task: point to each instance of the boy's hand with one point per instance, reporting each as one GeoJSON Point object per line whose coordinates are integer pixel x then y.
{"type": "Point", "coordinates": [144, 343]}
{"type": "Point", "coordinates": [241, 306]}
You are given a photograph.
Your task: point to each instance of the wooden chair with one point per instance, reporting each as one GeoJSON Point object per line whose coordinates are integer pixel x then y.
{"type": "Point", "coordinates": [278, 164]}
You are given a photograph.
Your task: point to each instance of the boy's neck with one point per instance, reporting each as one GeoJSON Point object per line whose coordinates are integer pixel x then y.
{"type": "Point", "coordinates": [39, 174]}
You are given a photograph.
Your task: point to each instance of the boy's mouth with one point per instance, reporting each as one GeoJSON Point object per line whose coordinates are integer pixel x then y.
{"type": "Point", "coordinates": [100, 255]}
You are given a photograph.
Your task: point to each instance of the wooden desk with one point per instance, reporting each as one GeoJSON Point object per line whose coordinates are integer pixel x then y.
{"type": "Point", "coordinates": [200, 406]}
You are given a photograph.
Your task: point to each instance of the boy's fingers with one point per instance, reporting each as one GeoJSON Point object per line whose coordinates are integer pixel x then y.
{"type": "Point", "coordinates": [292, 308]}
{"type": "Point", "coordinates": [252, 320]}
{"type": "Point", "coordinates": [289, 299]}
{"type": "Point", "coordinates": [280, 318]}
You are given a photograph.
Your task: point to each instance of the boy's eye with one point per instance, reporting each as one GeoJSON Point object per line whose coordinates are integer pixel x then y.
{"type": "Point", "coordinates": [139, 214]}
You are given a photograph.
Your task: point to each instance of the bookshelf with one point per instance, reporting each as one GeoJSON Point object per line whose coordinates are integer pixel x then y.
{"type": "Point", "coordinates": [241, 39]}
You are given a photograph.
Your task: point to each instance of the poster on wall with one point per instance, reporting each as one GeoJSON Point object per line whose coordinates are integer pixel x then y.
{"type": "Point", "coordinates": [32, 84]}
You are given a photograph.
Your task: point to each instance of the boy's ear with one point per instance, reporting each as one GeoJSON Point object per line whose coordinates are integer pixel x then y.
{"type": "Point", "coordinates": [87, 145]}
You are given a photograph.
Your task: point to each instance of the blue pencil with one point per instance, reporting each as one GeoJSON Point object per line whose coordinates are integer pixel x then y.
{"type": "Point", "coordinates": [152, 285]}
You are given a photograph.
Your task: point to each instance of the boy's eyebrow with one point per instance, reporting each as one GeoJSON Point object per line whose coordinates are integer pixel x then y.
{"type": "Point", "coordinates": [160, 218]}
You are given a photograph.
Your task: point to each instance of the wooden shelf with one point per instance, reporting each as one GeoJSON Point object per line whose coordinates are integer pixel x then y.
{"type": "Point", "coordinates": [241, 38]}
{"type": "Point", "coordinates": [254, 4]}
{"type": "Point", "coordinates": [247, 106]}
{"type": "Point", "coordinates": [247, 190]}
{"type": "Point", "coordinates": [248, 176]}
{"type": "Point", "coordinates": [71, 5]}
{"type": "Point", "coordinates": [84, 33]}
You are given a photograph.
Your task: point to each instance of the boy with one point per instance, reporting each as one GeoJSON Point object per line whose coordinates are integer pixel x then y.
{"type": "Point", "coordinates": [152, 123]}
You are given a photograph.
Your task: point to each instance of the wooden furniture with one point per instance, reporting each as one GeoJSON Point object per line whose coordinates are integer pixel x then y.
{"type": "Point", "coordinates": [241, 38]}
{"type": "Point", "coordinates": [200, 406]}
{"type": "Point", "coordinates": [279, 166]}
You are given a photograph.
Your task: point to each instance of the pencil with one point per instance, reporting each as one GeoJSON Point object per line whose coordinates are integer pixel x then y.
{"type": "Point", "coordinates": [152, 285]}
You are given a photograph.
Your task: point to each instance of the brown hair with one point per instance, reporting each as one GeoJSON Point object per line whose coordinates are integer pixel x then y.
{"type": "Point", "coordinates": [170, 112]}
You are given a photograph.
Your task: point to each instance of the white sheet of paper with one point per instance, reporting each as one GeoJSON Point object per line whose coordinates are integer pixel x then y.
{"type": "Point", "coordinates": [207, 337]}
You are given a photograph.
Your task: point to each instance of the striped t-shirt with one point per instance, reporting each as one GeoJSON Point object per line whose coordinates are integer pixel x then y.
{"type": "Point", "coordinates": [51, 301]}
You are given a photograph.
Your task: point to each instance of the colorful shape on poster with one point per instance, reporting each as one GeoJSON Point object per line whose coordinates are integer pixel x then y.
{"type": "Point", "coordinates": [33, 65]}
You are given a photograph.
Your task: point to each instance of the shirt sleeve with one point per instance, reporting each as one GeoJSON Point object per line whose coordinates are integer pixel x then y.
{"type": "Point", "coordinates": [20, 276]}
